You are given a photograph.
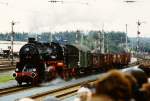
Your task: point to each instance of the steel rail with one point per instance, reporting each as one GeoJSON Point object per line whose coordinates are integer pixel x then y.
{"type": "Point", "coordinates": [60, 93]}
{"type": "Point", "coordinates": [10, 90]}
{"type": "Point", "coordinates": [7, 68]}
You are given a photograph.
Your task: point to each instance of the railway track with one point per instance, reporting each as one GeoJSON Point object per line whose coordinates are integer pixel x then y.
{"type": "Point", "coordinates": [2, 62]}
{"type": "Point", "coordinates": [15, 89]}
{"type": "Point", "coordinates": [7, 68]}
{"type": "Point", "coordinates": [60, 93]}
{"type": "Point", "coordinates": [5, 65]}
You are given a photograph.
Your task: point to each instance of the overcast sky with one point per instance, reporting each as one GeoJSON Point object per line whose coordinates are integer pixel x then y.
{"type": "Point", "coordinates": [43, 16]}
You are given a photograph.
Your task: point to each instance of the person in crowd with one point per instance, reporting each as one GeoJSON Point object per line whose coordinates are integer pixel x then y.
{"type": "Point", "coordinates": [141, 78]}
{"type": "Point", "coordinates": [133, 83]}
{"type": "Point", "coordinates": [139, 75]}
{"type": "Point", "coordinates": [113, 86]}
{"type": "Point", "coordinates": [146, 90]}
{"type": "Point", "coordinates": [117, 86]}
{"type": "Point", "coordinates": [84, 93]}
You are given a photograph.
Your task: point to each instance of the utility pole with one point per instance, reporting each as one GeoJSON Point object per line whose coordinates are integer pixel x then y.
{"type": "Point", "coordinates": [36, 37]}
{"type": "Point", "coordinates": [103, 40]}
{"type": "Point", "coordinates": [82, 39]}
{"type": "Point", "coordinates": [107, 47]}
{"type": "Point", "coordinates": [126, 38]}
{"type": "Point", "coordinates": [12, 39]}
{"type": "Point", "coordinates": [77, 36]}
{"type": "Point", "coordinates": [50, 37]}
{"type": "Point", "coordinates": [99, 43]}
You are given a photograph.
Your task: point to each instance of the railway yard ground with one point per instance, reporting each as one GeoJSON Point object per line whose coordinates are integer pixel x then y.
{"type": "Point", "coordinates": [6, 70]}
{"type": "Point", "coordinates": [5, 65]}
{"type": "Point", "coordinates": [55, 84]}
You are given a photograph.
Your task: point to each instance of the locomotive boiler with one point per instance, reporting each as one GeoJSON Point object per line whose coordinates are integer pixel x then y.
{"type": "Point", "coordinates": [36, 59]}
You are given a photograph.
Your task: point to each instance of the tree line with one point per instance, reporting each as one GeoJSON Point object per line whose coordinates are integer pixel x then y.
{"type": "Point", "coordinates": [114, 41]}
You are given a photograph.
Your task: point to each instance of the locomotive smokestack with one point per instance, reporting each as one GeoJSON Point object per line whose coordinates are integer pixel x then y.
{"type": "Point", "coordinates": [31, 40]}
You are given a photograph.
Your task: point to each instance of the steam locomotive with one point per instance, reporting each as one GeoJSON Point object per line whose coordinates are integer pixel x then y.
{"type": "Point", "coordinates": [44, 61]}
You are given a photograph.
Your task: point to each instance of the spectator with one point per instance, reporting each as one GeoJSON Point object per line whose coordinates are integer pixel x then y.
{"type": "Point", "coordinates": [139, 75]}
{"type": "Point", "coordinates": [146, 90]}
{"type": "Point", "coordinates": [114, 85]}
{"type": "Point", "coordinates": [84, 93]}
{"type": "Point", "coordinates": [132, 81]}
{"type": "Point", "coordinates": [141, 78]}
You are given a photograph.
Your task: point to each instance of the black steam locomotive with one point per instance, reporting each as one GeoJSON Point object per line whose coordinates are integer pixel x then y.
{"type": "Point", "coordinates": [45, 61]}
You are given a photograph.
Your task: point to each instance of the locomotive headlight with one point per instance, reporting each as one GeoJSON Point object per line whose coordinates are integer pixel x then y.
{"type": "Point", "coordinates": [17, 70]}
{"type": "Point", "coordinates": [33, 75]}
{"type": "Point", "coordinates": [14, 75]}
{"type": "Point", "coordinates": [34, 70]}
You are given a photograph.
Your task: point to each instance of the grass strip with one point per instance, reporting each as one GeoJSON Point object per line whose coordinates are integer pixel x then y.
{"type": "Point", "coordinates": [6, 78]}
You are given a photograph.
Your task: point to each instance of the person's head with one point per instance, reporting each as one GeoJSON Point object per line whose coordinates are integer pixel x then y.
{"type": "Point", "coordinates": [139, 75]}
{"type": "Point", "coordinates": [84, 94]}
{"type": "Point", "coordinates": [114, 84]}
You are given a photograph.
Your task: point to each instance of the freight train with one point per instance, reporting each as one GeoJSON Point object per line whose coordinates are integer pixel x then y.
{"type": "Point", "coordinates": [44, 61]}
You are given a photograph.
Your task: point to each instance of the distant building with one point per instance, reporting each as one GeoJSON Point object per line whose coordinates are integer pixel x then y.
{"type": "Point", "coordinates": [6, 45]}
